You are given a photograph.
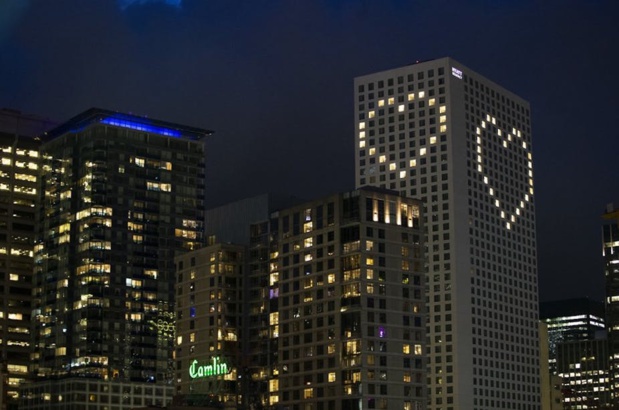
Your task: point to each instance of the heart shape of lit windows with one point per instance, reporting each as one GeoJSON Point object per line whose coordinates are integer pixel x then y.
{"type": "Point", "coordinates": [508, 143]}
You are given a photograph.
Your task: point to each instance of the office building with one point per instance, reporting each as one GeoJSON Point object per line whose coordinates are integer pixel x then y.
{"type": "Point", "coordinates": [571, 320]}
{"type": "Point", "coordinates": [121, 196]}
{"type": "Point", "coordinates": [610, 251]}
{"type": "Point", "coordinates": [440, 132]}
{"type": "Point", "coordinates": [19, 167]}
{"type": "Point", "coordinates": [333, 314]}
{"type": "Point", "coordinates": [583, 366]}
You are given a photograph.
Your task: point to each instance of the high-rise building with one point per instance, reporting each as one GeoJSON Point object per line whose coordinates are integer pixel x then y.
{"type": "Point", "coordinates": [209, 319]}
{"type": "Point", "coordinates": [19, 167]}
{"type": "Point", "coordinates": [121, 196]}
{"type": "Point", "coordinates": [610, 249]}
{"type": "Point", "coordinates": [442, 133]}
{"type": "Point", "coordinates": [571, 320]}
{"type": "Point", "coordinates": [333, 309]}
{"type": "Point", "coordinates": [583, 368]}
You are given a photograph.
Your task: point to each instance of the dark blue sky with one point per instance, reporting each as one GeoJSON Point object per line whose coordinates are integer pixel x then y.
{"type": "Point", "coordinates": [274, 80]}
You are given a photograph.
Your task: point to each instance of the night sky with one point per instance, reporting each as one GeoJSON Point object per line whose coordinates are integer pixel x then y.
{"type": "Point", "coordinates": [274, 80]}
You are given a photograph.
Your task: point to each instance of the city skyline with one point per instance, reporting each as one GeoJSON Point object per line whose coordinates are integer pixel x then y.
{"type": "Point", "coordinates": [273, 81]}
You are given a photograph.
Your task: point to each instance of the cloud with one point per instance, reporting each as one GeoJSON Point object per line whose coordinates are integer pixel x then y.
{"type": "Point", "coordinates": [10, 13]}
{"type": "Point", "coordinates": [128, 3]}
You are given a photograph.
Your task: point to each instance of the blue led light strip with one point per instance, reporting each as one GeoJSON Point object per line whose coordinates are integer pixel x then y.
{"type": "Point", "coordinates": [134, 125]}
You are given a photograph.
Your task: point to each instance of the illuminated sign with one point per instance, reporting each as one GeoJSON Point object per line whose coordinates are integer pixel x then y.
{"type": "Point", "coordinates": [215, 368]}
{"type": "Point", "coordinates": [456, 73]}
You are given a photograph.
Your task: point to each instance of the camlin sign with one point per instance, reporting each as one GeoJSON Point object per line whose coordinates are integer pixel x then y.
{"type": "Point", "coordinates": [215, 368]}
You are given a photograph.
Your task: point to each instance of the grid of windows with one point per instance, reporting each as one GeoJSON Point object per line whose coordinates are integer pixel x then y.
{"type": "Point", "coordinates": [347, 287]}
{"type": "Point", "coordinates": [463, 146]}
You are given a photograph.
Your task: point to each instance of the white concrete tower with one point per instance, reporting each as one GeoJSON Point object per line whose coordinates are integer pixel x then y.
{"type": "Point", "coordinates": [442, 133]}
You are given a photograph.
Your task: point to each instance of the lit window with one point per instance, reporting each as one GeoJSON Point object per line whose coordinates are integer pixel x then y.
{"type": "Point", "coordinates": [6, 161]}
{"type": "Point", "coordinates": [391, 101]}
{"type": "Point", "coordinates": [422, 151]}
{"type": "Point", "coordinates": [442, 109]}
{"type": "Point", "coordinates": [443, 118]}
{"type": "Point", "coordinates": [443, 128]}
{"type": "Point", "coordinates": [362, 134]}
{"type": "Point", "coordinates": [331, 377]}
{"type": "Point", "coordinates": [392, 166]}
{"type": "Point", "coordinates": [26, 177]}
{"type": "Point", "coordinates": [158, 186]}
{"type": "Point", "coordinates": [418, 350]}
{"type": "Point", "coordinates": [331, 278]}
{"type": "Point", "coordinates": [371, 114]}
{"type": "Point", "coordinates": [361, 144]}
{"type": "Point", "coordinates": [13, 276]}
{"type": "Point", "coordinates": [413, 162]}
{"type": "Point", "coordinates": [401, 108]}
{"type": "Point", "coordinates": [411, 96]}
{"type": "Point", "coordinates": [431, 101]}
{"type": "Point", "coordinates": [362, 125]}
{"type": "Point", "coordinates": [432, 140]}
{"type": "Point", "coordinates": [402, 174]}
{"type": "Point", "coordinates": [372, 151]}
{"type": "Point", "coordinates": [382, 159]}
{"type": "Point", "coordinates": [422, 94]}
{"type": "Point", "coordinates": [381, 103]}
{"type": "Point", "coordinates": [185, 233]}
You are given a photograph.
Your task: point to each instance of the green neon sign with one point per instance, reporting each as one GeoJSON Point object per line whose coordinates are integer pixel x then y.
{"type": "Point", "coordinates": [215, 368]}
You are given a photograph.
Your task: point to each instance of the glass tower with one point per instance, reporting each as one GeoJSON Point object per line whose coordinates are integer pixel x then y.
{"type": "Point", "coordinates": [120, 196]}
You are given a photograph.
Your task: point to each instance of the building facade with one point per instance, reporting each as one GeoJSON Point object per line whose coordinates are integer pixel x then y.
{"type": "Point", "coordinates": [19, 168]}
{"type": "Point", "coordinates": [583, 366]}
{"type": "Point", "coordinates": [209, 319]}
{"type": "Point", "coordinates": [571, 320]}
{"type": "Point", "coordinates": [444, 134]}
{"type": "Point", "coordinates": [610, 252]}
{"type": "Point", "coordinates": [120, 196]}
{"type": "Point", "coordinates": [333, 314]}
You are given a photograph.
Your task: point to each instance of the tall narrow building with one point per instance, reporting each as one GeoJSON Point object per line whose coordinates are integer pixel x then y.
{"type": "Point", "coordinates": [121, 195]}
{"type": "Point", "coordinates": [610, 251]}
{"type": "Point", "coordinates": [442, 133]}
{"type": "Point", "coordinates": [19, 168]}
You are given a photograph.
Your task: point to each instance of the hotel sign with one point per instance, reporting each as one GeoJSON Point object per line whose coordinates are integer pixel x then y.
{"type": "Point", "coordinates": [215, 368]}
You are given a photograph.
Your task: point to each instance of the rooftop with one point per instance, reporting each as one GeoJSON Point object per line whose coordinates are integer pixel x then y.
{"type": "Point", "coordinates": [123, 120]}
